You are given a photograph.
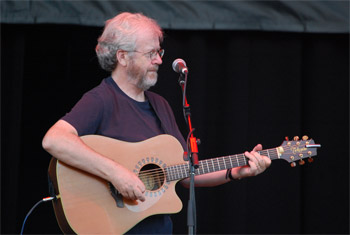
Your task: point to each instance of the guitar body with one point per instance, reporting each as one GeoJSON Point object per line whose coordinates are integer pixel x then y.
{"type": "Point", "coordinates": [85, 203]}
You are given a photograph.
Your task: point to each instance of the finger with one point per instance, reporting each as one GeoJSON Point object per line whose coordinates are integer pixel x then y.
{"type": "Point", "coordinates": [253, 168]}
{"type": "Point", "coordinates": [142, 187]}
{"type": "Point", "coordinates": [129, 195]}
{"type": "Point", "coordinates": [252, 157]}
{"type": "Point", "coordinates": [267, 161]}
{"type": "Point", "coordinates": [254, 162]}
{"type": "Point", "coordinates": [139, 195]}
{"type": "Point", "coordinates": [257, 148]}
{"type": "Point", "coordinates": [262, 160]}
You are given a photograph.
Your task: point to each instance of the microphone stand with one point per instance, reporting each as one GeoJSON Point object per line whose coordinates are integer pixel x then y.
{"type": "Point", "coordinates": [192, 157]}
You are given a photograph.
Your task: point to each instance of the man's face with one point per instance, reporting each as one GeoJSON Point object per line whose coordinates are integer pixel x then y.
{"type": "Point", "coordinates": [143, 66]}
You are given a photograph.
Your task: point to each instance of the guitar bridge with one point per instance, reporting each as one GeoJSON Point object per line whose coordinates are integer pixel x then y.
{"type": "Point", "coordinates": [116, 195]}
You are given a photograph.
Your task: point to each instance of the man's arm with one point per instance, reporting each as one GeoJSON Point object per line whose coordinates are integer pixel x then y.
{"type": "Point", "coordinates": [257, 165]}
{"type": "Point", "coordinates": [62, 142]}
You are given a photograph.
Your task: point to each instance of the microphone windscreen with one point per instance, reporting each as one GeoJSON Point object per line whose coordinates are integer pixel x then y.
{"type": "Point", "coordinates": [176, 65]}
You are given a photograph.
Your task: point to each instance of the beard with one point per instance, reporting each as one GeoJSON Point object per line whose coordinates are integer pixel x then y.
{"type": "Point", "coordinates": [144, 79]}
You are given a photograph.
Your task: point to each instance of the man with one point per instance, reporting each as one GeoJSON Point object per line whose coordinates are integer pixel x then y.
{"type": "Point", "coordinates": [122, 108]}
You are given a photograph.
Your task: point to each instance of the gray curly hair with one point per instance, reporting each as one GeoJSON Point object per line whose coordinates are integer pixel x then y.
{"type": "Point", "coordinates": [120, 34]}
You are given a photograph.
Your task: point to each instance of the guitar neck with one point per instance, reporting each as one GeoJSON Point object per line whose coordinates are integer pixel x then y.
{"type": "Point", "coordinates": [181, 171]}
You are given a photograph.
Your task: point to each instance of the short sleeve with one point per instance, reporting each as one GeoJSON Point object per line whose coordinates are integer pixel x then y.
{"type": "Point", "coordinates": [86, 115]}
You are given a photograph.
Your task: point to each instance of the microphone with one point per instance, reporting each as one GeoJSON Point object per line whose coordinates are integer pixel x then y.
{"type": "Point", "coordinates": [179, 66]}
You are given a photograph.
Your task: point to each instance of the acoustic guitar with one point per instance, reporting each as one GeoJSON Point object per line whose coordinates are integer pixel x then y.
{"type": "Point", "coordinates": [88, 204]}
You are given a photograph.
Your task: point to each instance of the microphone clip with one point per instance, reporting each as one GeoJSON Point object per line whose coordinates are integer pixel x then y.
{"type": "Point", "coordinates": [182, 79]}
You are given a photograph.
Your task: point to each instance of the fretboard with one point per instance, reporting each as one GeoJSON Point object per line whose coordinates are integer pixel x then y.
{"type": "Point", "coordinates": [181, 171]}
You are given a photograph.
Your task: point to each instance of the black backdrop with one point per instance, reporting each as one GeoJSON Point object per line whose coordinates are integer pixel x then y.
{"type": "Point", "coordinates": [244, 88]}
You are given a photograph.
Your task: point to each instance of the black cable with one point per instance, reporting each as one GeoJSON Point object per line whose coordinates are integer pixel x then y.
{"type": "Point", "coordinates": [31, 210]}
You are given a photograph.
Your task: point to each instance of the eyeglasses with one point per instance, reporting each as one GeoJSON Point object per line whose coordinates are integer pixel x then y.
{"type": "Point", "coordinates": [152, 54]}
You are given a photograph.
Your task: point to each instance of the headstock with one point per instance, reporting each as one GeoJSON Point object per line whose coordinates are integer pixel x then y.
{"type": "Point", "coordinates": [298, 150]}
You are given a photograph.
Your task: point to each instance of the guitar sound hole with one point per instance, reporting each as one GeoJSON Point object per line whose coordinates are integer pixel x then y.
{"type": "Point", "coordinates": [152, 176]}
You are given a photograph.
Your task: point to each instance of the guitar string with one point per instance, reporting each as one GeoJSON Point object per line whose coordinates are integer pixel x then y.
{"type": "Point", "coordinates": [216, 164]}
{"type": "Point", "coordinates": [182, 169]}
{"type": "Point", "coordinates": [239, 157]}
{"type": "Point", "coordinates": [220, 161]}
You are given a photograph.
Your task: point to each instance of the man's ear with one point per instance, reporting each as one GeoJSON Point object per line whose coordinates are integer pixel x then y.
{"type": "Point", "coordinates": [122, 57]}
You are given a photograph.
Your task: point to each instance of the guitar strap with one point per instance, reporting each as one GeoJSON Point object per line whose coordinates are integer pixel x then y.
{"type": "Point", "coordinates": [156, 107]}
{"type": "Point", "coordinates": [165, 114]}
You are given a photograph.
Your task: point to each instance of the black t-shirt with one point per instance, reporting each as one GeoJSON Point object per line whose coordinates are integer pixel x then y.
{"type": "Point", "coordinates": [106, 110]}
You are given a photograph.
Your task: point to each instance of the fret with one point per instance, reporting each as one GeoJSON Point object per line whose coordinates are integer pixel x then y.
{"type": "Point", "coordinates": [218, 163]}
{"type": "Point", "coordinates": [180, 171]}
{"type": "Point", "coordinates": [186, 169]}
{"type": "Point", "coordinates": [207, 166]}
{"type": "Point", "coordinates": [169, 173]}
{"type": "Point", "coordinates": [199, 168]}
{"type": "Point", "coordinates": [231, 161]}
{"type": "Point", "coordinates": [203, 166]}
{"type": "Point", "coordinates": [226, 163]}
{"type": "Point", "coordinates": [202, 163]}
{"type": "Point", "coordinates": [230, 158]}
{"type": "Point", "coordinates": [177, 174]}
{"type": "Point", "coordinates": [174, 172]}
{"type": "Point", "coordinates": [245, 160]}
{"type": "Point", "coordinates": [276, 153]}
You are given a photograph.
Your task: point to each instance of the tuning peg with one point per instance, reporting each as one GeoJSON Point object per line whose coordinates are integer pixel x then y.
{"type": "Point", "coordinates": [310, 159]}
{"type": "Point", "coordinates": [293, 164]}
{"type": "Point", "coordinates": [301, 162]}
{"type": "Point", "coordinates": [296, 138]}
{"type": "Point", "coordinates": [286, 138]}
{"type": "Point", "coordinates": [305, 137]}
